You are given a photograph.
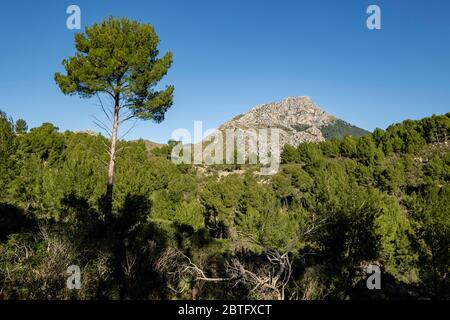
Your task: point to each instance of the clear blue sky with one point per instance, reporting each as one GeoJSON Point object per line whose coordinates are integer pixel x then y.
{"type": "Point", "coordinates": [230, 55]}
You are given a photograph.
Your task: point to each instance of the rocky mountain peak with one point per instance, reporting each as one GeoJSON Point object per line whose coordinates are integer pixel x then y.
{"type": "Point", "coordinates": [298, 118]}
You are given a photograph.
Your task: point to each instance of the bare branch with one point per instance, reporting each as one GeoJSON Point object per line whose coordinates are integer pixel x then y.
{"type": "Point", "coordinates": [128, 131]}
{"type": "Point", "coordinates": [128, 117]}
{"type": "Point", "coordinates": [270, 280]}
{"type": "Point", "coordinates": [109, 115]}
{"type": "Point", "coordinates": [102, 125]}
{"type": "Point", "coordinates": [107, 147]}
{"type": "Point", "coordinates": [177, 264]}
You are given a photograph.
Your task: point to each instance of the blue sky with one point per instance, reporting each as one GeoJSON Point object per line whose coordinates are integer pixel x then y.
{"type": "Point", "coordinates": [230, 55]}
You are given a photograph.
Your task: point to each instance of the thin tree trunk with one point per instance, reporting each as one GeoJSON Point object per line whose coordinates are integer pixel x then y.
{"type": "Point", "coordinates": [112, 157]}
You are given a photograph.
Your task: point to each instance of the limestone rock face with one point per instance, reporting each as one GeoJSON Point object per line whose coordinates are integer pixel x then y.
{"type": "Point", "coordinates": [298, 119]}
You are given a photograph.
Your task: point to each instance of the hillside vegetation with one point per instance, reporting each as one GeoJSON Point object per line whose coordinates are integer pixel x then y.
{"type": "Point", "coordinates": [307, 232]}
{"type": "Point", "coordinates": [339, 129]}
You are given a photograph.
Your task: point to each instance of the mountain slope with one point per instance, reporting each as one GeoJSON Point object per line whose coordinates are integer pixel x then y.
{"type": "Point", "coordinates": [299, 119]}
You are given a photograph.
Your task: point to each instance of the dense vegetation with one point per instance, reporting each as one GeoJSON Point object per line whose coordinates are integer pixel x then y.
{"type": "Point", "coordinates": [339, 129]}
{"type": "Point", "coordinates": [192, 232]}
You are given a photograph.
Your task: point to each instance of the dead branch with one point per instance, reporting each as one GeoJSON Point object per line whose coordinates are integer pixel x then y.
{"type": "Point", "coordinates": [176, 264]}
{"type": "Point", "coordinates": [269, 280]}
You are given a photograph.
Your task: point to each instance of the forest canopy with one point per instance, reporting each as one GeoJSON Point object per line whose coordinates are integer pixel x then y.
{"type": "Point", "coordinates": [185, 231]}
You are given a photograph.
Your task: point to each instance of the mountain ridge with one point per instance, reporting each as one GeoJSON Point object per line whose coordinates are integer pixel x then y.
{"type": "Point", "coordinates": [299, 119]}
